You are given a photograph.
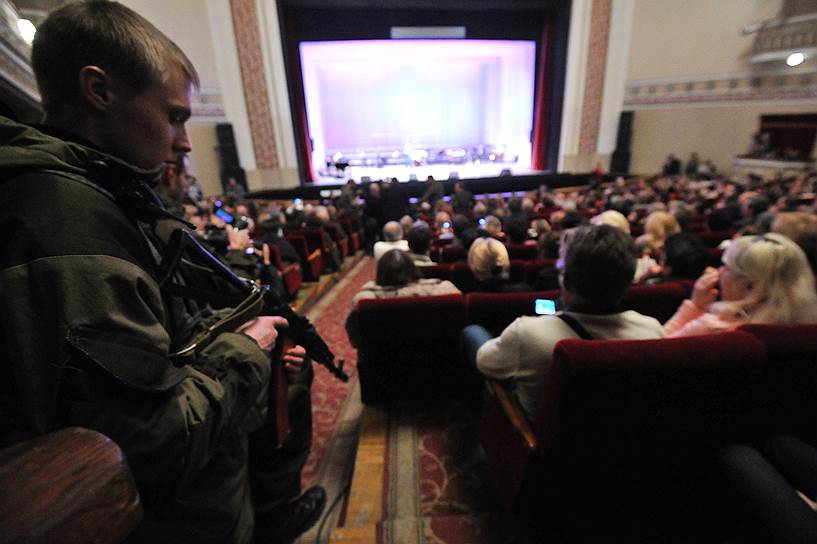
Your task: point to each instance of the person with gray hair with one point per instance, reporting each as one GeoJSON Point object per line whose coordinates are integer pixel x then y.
{"type": "Point", "coordinates": [392, 239]}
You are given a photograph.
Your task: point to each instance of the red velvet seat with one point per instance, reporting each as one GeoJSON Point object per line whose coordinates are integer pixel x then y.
{"type": "Point", "coordinates": [495, 311]}
{"type": "Point", "coordinates": [522, 252]}
{"type": "Point", "coordinates": [462, 277]}
{"type": "Point", "coordinates": [441, 271]}
{"type": "Point", "coordinates": [290, 274]}
{"type": "Point", "coordinates": [450, 254]}
{"type": "Point", "coordinates": [659, 301]}
{"type": "Point", "coordinates": [618, 427]}
{"type": "Point", "coordinates": [311, 261]}
{"type": "Point", "coordinates": [787, 399]}
{"type": "Point", "coordinates": [409, 348]}
{"type": "Point", "coordinates": [713, 238]}
{"type": "Point", "coordinates": [354, 232]}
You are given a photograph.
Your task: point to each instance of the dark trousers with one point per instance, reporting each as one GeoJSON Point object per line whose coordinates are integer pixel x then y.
{"type": "Point", "coordinates": [761, 489]}
{"type": "Point", "coordinates": [275, 473]}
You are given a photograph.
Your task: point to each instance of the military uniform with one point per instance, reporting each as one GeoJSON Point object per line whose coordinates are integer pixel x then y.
{"type": "Point", "coordinates": [86, 333]}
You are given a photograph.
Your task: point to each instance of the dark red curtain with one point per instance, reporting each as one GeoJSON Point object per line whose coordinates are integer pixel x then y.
{"type": "Point", "coordinates": [541, 114]}
{"type": "Point", "coordinates": [298, 103]}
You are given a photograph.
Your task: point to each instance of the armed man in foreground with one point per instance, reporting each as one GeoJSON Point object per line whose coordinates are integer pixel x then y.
{"type": "Point", "coordinates": [94, 335]}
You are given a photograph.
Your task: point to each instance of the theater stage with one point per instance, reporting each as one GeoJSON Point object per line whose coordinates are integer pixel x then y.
{"type": "Point", "coordinates": [404, 173]}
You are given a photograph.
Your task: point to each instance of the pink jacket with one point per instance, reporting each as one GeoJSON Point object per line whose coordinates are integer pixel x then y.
{"type": "Point", "coordinates": [690, 320]}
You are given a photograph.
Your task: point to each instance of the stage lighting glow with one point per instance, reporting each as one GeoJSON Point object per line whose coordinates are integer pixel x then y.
{"type": "Point", "coordinates": [795, 59]}
{"type": "Point", "coordinates": [446, 98]}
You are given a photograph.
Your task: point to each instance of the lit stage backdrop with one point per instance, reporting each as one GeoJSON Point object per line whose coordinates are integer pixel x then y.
{"type": "Point", "coordinates": [406, 105]}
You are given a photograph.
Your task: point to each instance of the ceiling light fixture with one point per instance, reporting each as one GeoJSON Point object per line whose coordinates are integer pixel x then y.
{"type": "Point", "coordinates": [27, 30]}
{"type": "Point", "coordinates": [795, 59]}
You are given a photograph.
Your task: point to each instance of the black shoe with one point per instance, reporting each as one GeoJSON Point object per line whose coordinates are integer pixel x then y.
{"type": "Point", "coordinates": [288, 522]}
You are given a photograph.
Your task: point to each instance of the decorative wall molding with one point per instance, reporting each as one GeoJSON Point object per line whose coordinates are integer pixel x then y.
{"type": "Point", "coordinates": [594, 77]}
{"type": "Point", "coordinates": [259, 113]}
{"type": "Point", "coordinates": [745, 88]}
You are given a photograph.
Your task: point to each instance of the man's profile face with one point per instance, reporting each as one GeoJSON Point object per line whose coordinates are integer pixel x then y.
{"type": "Point", "coordinates": [147, 129]}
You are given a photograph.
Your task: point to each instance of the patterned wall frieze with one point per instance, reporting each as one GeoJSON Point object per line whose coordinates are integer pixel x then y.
{"type": "Point", "coordinates": [724, 88]}
{"type": "Point", "coordinates": [594, 76]}
{"type": "Point", "coordinates": [208, 105]}
{"type": "Point", "coordinates": [251, 62]}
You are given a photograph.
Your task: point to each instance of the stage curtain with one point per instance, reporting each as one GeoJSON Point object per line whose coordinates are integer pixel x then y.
{"type": "Point", "coordinates": [541, 115]}
{"type": "Point", "coordinates": [298, 104]}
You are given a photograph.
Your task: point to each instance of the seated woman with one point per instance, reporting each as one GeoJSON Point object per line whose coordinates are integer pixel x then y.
{"type": "Point", "coordinates": [489, 262]}
{"type": "Point", "coordinates": [397, 276]}
{"type": "Point", "coordinates": [764, 279]}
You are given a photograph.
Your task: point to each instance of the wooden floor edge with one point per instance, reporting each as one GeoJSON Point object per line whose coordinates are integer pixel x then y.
{"type": "Point", "coordinates": [365, 506]}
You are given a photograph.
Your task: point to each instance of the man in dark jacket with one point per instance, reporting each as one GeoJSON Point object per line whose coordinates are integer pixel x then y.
{"type": "Point", "coordinates": [89, 336]}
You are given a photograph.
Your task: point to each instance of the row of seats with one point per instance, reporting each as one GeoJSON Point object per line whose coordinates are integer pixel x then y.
{"type": "Point", "coordinates": [409, 347]}
{"type": "Point", "coordinates": [460, 274]}
{"type": "Point", "coordinates": [625, 429]}
{"type": "Point", "coordinates": [312, 246]}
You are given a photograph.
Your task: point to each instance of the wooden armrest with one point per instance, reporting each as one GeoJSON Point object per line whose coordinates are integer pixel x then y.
{"type": "Point", "coordinates": [314, 255]}
{"type": "Point", "coordinates": [512, 410]}
{"type": "Point", "coordinates": [71, 485]}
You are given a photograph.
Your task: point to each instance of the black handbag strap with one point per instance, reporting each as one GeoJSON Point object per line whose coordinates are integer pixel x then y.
{"type": "Point", "coordinates": [577, 327]}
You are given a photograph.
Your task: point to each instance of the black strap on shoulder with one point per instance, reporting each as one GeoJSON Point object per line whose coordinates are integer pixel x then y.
{"type": "Point", "coordinates": [577, 327]}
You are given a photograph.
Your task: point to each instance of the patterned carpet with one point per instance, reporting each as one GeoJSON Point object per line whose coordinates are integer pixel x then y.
{"type": "Point", "coordinates": [437, 489]}
{"type": "Point", "coordinates": [329, 395]}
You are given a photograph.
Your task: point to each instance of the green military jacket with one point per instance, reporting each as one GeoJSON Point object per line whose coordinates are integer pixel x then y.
{"type": "Point", "coordinates": [85, 334]}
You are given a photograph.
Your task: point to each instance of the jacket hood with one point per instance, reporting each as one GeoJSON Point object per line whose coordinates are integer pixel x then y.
{"type": "Point", "coordinates": [25, 148]}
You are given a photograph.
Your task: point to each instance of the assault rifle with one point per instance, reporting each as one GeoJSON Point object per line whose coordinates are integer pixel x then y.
{"type": "Point", "coordinates": [259, 300]}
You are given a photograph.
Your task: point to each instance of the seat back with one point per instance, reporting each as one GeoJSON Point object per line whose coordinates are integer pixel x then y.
{"type": "Point", "coordinates": [659, 301]}
{"type": "Point", "coordinates": [450, 254]}
{"type": "Point", "coordinates": [624, 422]}
{"type": "Point", "coordinates": [523, 252]}
{"type": "Point", "coordinates": [462, 277]}
{"type": "Point", "coordinates": [636, 420]}
{"type": "Point", "coordinates": [786, 400]}
{"type": "Point", "coordinates": [441, 271]}
{"type": "Point", "coordinates": [495, 311]}
{"type": "Point", "coordinates": [409, 348]}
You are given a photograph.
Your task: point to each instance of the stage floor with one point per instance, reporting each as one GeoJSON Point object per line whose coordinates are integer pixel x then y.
{"type": "Point", "coordinates": [441, 172]}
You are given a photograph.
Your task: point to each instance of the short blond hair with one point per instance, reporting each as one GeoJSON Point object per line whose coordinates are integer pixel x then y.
{"type": "Point", "coordinates": [659, 226]}
{"type": "Point", "coordinates": [488, 258]}
{"type": "Point", "coordinates": [613, 218]}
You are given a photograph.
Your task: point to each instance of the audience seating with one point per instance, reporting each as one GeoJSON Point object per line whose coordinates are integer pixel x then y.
{"type": "Point", "coordinates": [462, 277]}
{"type": "Point", "coordinates": [311, 260]}
{"type": "Point", "coordinates": [290, 274]}
{"type": "Point", "coordinates": [660, 300]}
{"type": "Point", "coordinates": [495, 311]}
{"type": "Point", "coordinates": [711, 239]}
{"type": "Point", "coordinates": [409, 348]}
{"type": "Point", "coordinates": [69, 486]}
{"type": "Point", "coordinates": [441, 271]}
{"type": "Point", "coordinates": [619, 430]}
{"type": "Point", "coordinates": [522, 252]}
{"type": "Point", "coordinates": [449, 254]}
{"type": "Point", "coordinates": [789, 380]}
{"type": "Point", "coordinates": [353, 231]}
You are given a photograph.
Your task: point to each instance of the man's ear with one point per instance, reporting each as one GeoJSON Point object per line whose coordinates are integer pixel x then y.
{"type": "Point", "coordinates": [95, 88]}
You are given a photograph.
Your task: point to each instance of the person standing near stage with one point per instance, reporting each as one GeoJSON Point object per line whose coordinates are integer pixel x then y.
{"type": "Point", "coordinates": [90, 338]}
{"type": "Point", "coordinates": [434, 192]}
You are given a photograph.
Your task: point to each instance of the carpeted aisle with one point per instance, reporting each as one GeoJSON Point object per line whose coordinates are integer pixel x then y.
{"type": "Point", "coordinates": [329, 395]}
